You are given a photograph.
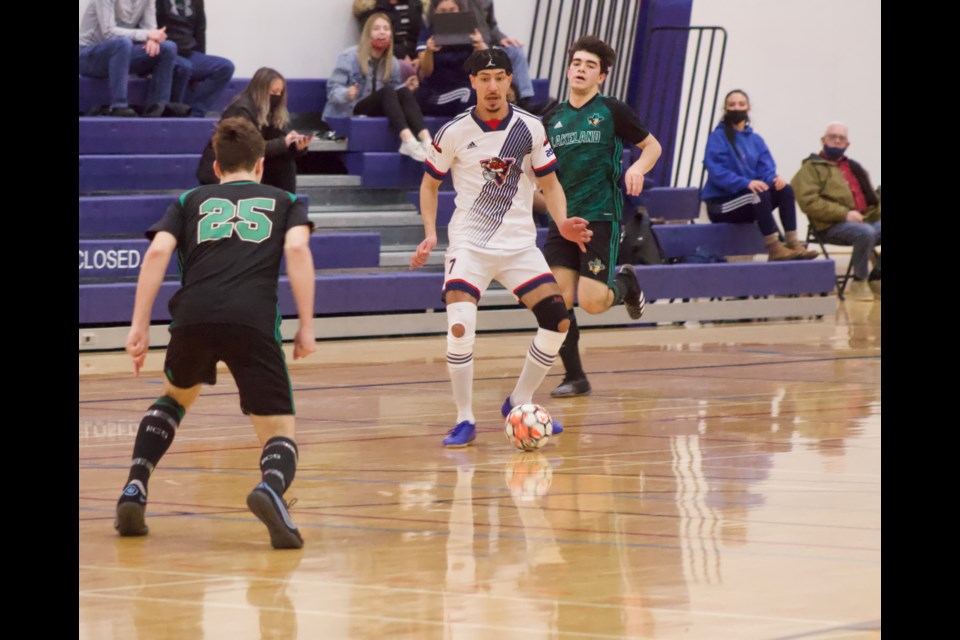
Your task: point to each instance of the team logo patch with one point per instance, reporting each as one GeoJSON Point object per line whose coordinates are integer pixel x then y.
{"type": "Point", "coordinates": [496, 169]}
{"type": "Point", "coordinates": [596, 266]}
{"type": "Point", "coordinates": [595, 120]}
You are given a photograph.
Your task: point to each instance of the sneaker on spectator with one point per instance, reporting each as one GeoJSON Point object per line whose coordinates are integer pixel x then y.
{"type": "Point", "coordinates": [426, 144]}
{"type": "Point", "coordinates": [875, 287]}
{"type": "Point", "coordinates": [413, 149]}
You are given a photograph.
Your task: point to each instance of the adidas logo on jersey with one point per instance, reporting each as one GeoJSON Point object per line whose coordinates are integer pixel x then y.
{"type": "Point", "coordinates": [559, 125]}
{"type": "Point", "coordinates": [472, 145]}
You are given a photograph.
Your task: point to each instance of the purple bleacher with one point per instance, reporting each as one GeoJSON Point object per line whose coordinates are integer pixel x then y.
{"type": "Point", "coordinates": [374, 134]}
{"type": "Point", "coordinates": [144, 135]}
{"type": "Point", "coordinates": [404, 291]}
{"type": "Point", "coordinates": [103, 216]}
{"type": "Point", "coordinates": [721, 239]}
{"type": "Point", "coordinates": [120, 215]}
{"type": "Point", "coordinates": [118, 258]}
{"type": "Point", "coordinates": [445, 204]}
{"type": "Point", "coordinates": [304, 95]}
{"type": "Point", "coordinates": [335, 294]}
{"type": "Point", "coordinates": [385, 170]}
{"type": "Point", "coordinates": [138, 172]}
{"type": "Point", "coordinates": [671, 203]}
{"type": "Point", "coordinates": [736, 279]}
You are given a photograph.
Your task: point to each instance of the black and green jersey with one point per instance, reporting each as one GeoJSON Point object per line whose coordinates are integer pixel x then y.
{"type": "Point", "coordinates": [588, 143]}
{"type": "Point", "coordinates": [230, 241]}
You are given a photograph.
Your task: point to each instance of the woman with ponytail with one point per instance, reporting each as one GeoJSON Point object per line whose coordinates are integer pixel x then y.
{"type": "Point", "coordinates": [743, 184]}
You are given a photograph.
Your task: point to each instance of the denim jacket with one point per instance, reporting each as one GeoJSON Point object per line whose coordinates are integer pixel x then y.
{"type": "Point", "coordinates": [347, 73]}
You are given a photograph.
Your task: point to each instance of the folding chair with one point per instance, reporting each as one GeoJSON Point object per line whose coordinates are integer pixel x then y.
{"type": "Point", "coordinates": [842, 280]}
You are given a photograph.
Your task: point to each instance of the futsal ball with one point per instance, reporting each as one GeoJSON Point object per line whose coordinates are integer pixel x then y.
{"type": "Point", "coordinates": [528, 426]}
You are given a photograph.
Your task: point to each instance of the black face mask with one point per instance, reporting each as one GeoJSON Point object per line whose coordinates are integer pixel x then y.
{"type": "Point", "coordinates": [735, 117]}
{"type": "Point", "coordinates": [275, 101]}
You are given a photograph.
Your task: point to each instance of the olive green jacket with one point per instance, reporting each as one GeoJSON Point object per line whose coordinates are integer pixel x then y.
{"type": "Point", "coordinates": [824, 195]}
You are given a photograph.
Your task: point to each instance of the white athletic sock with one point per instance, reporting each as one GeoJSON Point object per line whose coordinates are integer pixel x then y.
{"type": "Point", "coordinates": [460, 358]}
{"type": "Point", "coordinates": [546, 345]}
{"type": "Point", "coordinates": [461, 379]}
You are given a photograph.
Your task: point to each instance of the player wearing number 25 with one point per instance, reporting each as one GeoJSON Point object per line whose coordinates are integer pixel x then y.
{"type": "Point", "coordinates": [230, 238]}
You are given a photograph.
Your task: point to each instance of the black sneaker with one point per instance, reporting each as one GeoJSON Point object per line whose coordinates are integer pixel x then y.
{"type": "Point", "coordinates": [572, 388]}
{"type": "Point", "coordinates": [131, 511]}
{"type": "Point", "coordinates": [633, 300]}
{"type": "Point", "coordinates": [272, 511]}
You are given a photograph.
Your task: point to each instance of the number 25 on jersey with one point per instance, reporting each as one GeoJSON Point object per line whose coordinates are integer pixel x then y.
{"type": "Point", "coordinates": [217, 219]}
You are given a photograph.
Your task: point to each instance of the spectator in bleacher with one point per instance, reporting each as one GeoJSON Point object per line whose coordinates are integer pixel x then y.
{"type": "Point", "coordinates": [406, 18]}
{"type": "Point", "coordinates": [444, 86]}
{"type": "Point", "coordinates": [264, 103]}
{"type": "Point", "coordinates": [186, 25]}
{"type": "Point", "coordinates": [366, 82]}
{"type": "Point", "coordinates": [835, 193]}
{"type": "Point", "coordinates": [743, 184]}
{"type": "Point", "coordinates": [494, 37]}
{"type": "Point", "coordinates": [120, 37]}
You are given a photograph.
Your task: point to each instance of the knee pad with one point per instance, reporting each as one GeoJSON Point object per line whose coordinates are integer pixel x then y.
{"type": "Point", "coordinates": [465, 315]}
{"type": "Point", "coordinates": [550, 312]}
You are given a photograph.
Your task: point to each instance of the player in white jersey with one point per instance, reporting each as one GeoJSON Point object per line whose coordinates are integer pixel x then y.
{"type": "Point", "coordinates": [497, 153]}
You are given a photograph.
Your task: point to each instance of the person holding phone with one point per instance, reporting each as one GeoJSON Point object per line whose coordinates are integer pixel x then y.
{"type": "Point", "coordinates": [366, 82]}
{"type": "Point", "coordinates": [264, 103]}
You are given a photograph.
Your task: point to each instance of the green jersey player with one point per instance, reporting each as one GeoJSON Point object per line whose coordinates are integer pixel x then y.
{"type": "Point", "coordinates": [588, 133]}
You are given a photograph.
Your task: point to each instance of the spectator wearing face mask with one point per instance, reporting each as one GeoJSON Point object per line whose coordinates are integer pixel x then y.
{"type": "Point", "coordinates": [264, 103]}
{"type": "Point", "coordinates": [743, 185]}
{"type": "Point", "coordinates": [366, 82]}
{"type": "Point", "coordinates": [835, 193]}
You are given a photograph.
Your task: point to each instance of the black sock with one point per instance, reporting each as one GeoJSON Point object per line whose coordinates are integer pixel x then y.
{"type": "Point", "coordinates": [570, 350]}
{"type": "Point", "coordinates": [157, 429]}
{"type": "Point", "coordinates": [278, 463]}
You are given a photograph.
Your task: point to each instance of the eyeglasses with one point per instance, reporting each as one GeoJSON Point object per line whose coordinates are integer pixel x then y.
{"type": "Point", "coordinates": [835, 137]}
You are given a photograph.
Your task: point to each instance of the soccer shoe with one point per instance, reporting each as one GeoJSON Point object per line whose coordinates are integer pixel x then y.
{"type": "Point", "coordinates": [272, 511]}
{"type": "Point", "coordinates": [461, 435]}
{"type": "Point", "coordinates": [505, 411]}
{"type": "Point", "coordinates": [633, 300]}
{"type": "Point", "coordinates": [131, 509]}
{"type": "Point", "coordinates": [572, 388]}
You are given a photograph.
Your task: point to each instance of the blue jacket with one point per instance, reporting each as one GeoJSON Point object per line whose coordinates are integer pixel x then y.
{"type": "Point", "coordinates": [345, 74]}
{"type": "Point", "coordinates": [728, 174]}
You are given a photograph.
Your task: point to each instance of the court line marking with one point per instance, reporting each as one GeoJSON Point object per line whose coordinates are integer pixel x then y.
{"type": "Point", "coordinates": [500, 378]}
{"type": "Point", "coordinates": [477, 594]}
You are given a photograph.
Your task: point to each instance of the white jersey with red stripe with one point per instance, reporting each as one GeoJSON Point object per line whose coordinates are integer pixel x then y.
{"type": "Point", "coordinates": [494, 174]}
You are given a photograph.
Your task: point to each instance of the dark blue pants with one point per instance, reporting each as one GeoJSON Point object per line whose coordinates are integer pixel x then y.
{"type": "Point", "coordinates": [210, 73]}
{"type": "Point", "coordinates": [762, 212]}
{"type": "Point", "coordinates": [116, 59]}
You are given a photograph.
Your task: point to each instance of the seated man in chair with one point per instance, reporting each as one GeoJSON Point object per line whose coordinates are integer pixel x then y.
{"type": "Point", "coordinates": [843, 207]}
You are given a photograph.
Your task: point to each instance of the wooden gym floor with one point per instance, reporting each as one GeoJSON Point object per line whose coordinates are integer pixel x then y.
{"type": "Point", "coordinates": [721, 482]}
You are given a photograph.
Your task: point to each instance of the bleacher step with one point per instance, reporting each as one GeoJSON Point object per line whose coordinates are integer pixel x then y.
{"type": "Point", "coordinates": [327, 180]}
